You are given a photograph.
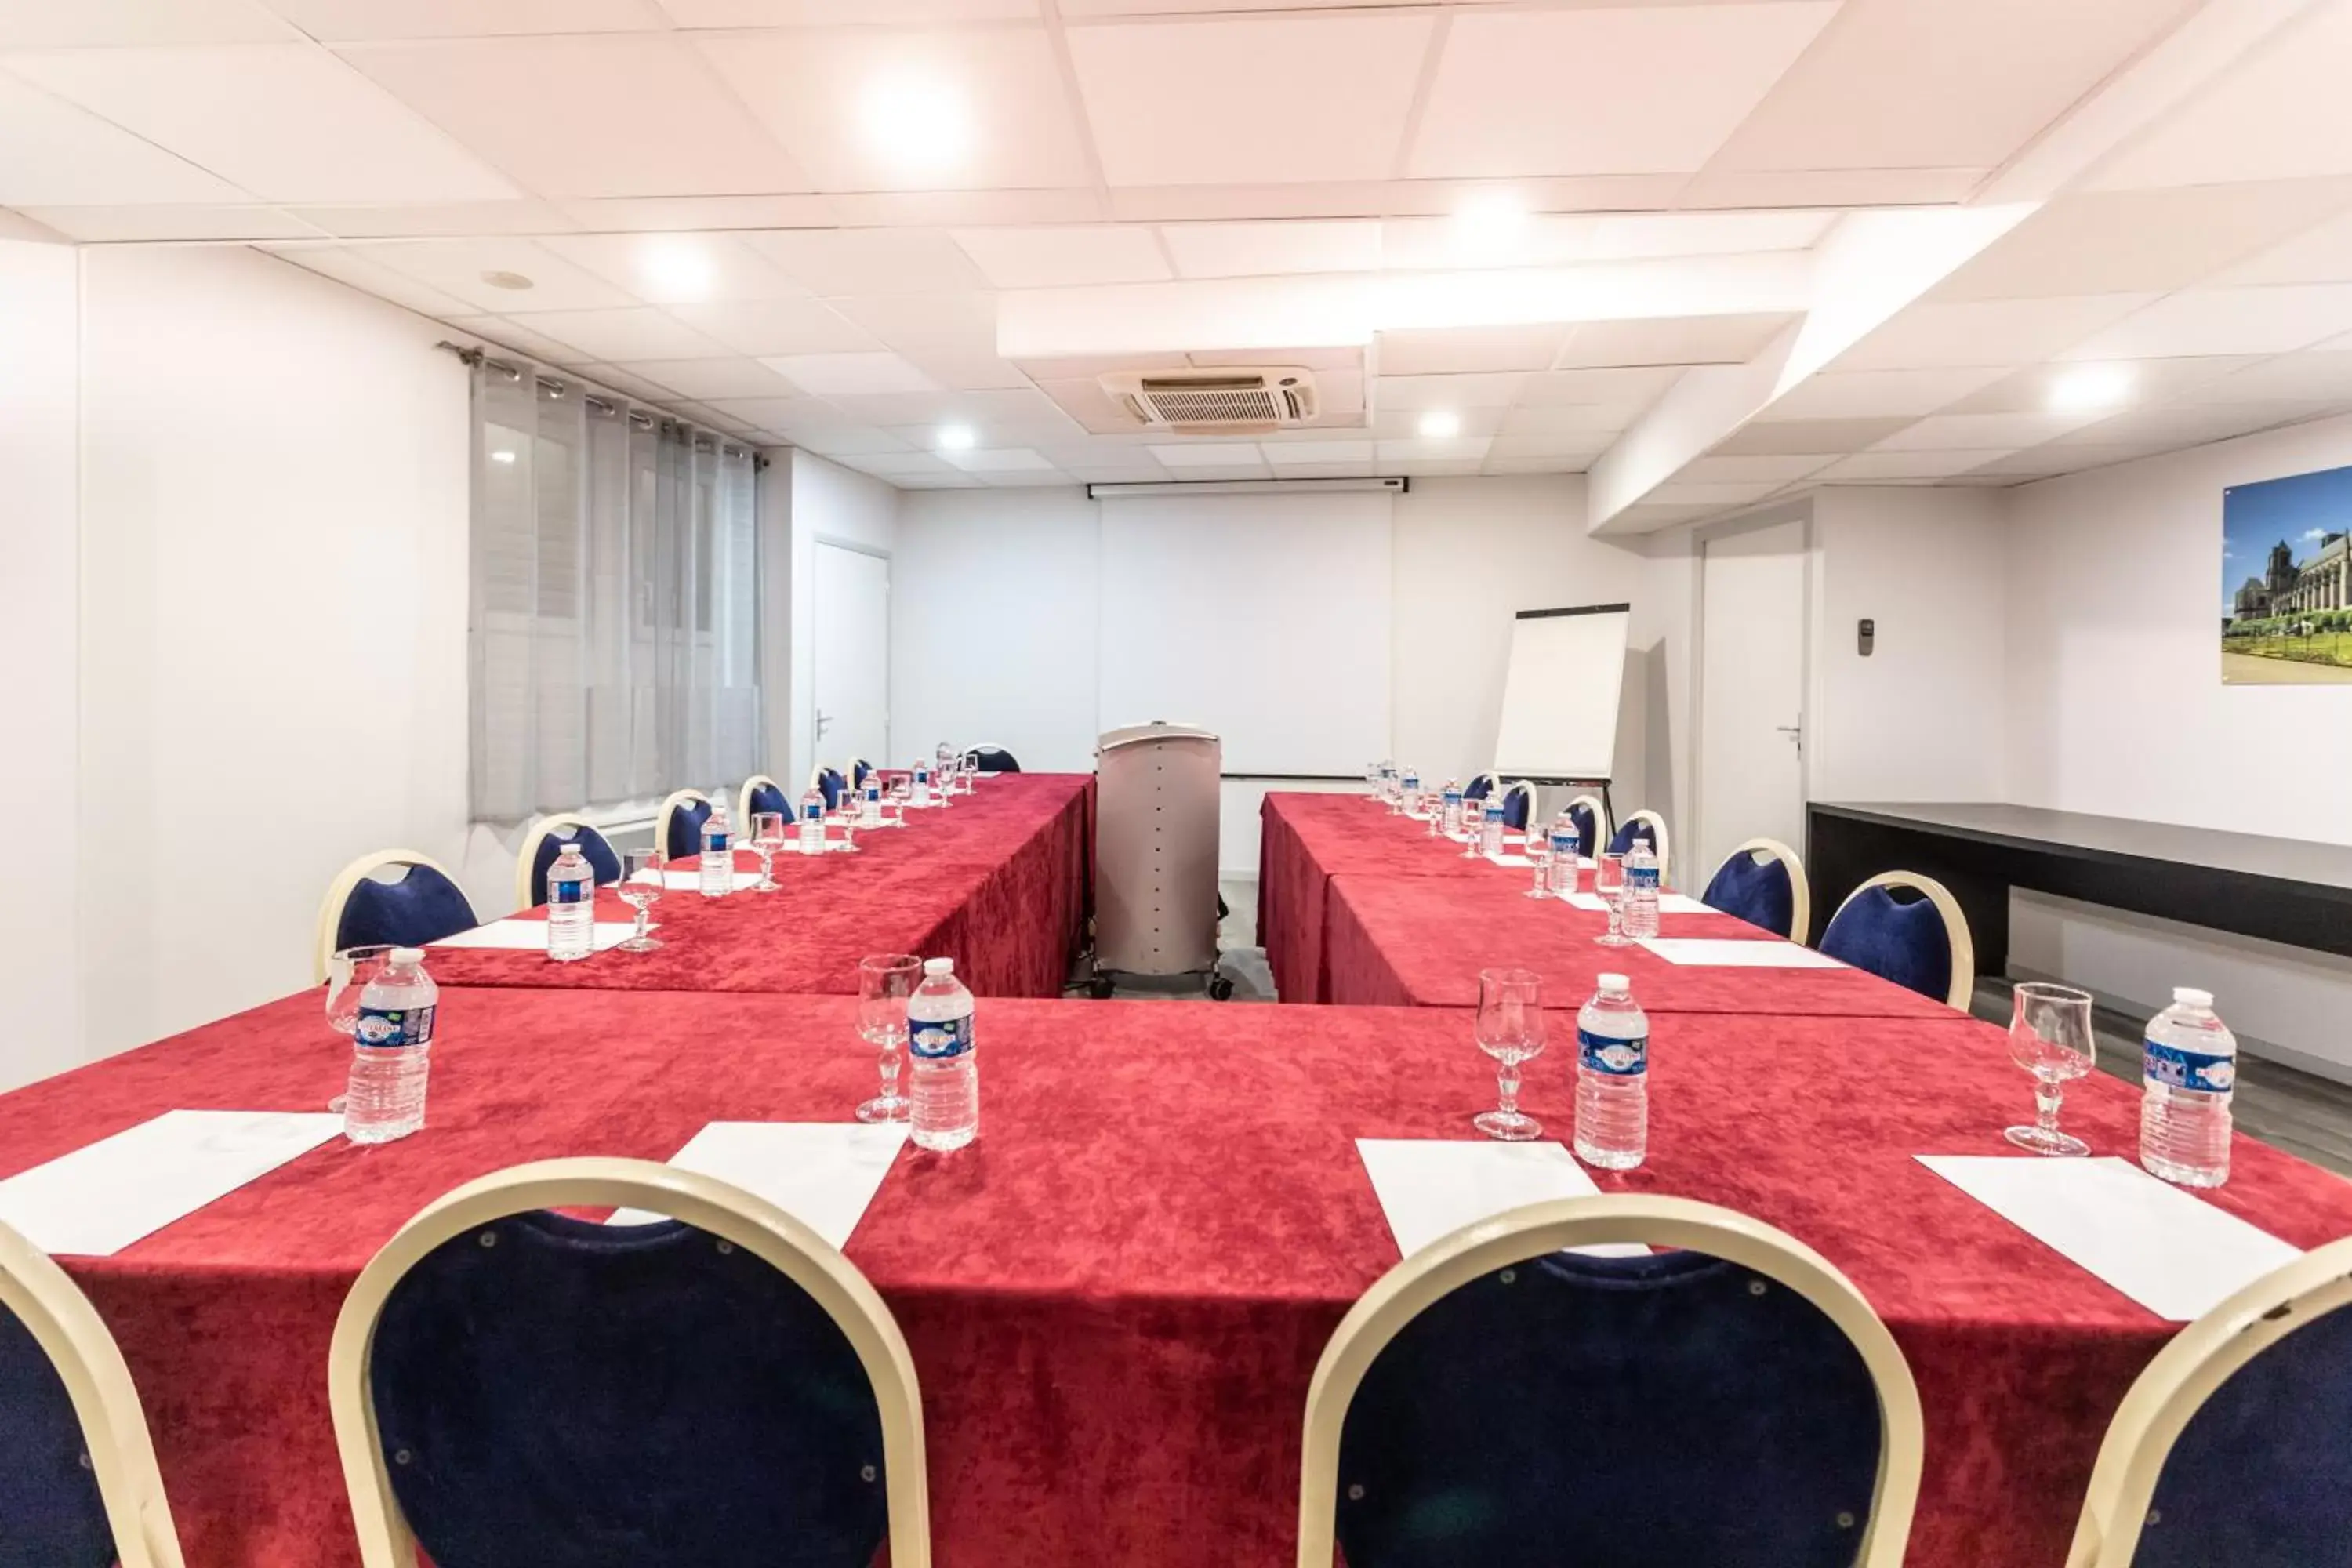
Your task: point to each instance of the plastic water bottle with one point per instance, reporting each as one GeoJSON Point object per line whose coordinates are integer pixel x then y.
{"type": "Point", "coordinates": [1450, 804]}
{"type": "Point", "coordinates": [921, 793]}
{"type": "Point", "coordinates": [718, 852]}
{"type": "Point", "coordinates": [1641, 897]}
{"type": "Point", "coordinates": [392, 1045]}
{"type": "Point", "coordinates": [1612, 1079]}
{"type": "Point", "coordinates": [1409, 791]}
{"type": "Point", "coordinates": [2190, 1066]}
{"type": "Point", "coordinates": [571, 906]}
{"type": "Point", "coordinates": [1389, 786]}
{"type": "Point", "coordinates": [811, 823]}
{"type": "Point", "coordinates": [946, 1089]}
{"type": "Point", "coordinates": [869, 808]}
{"type": "Point", "coordinates": [1563, 870]}
{"type": "Point", "coordinates": [1490, 829]}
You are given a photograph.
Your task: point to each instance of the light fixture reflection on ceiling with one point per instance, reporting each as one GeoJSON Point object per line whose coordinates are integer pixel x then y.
{"type": "Point", "coordinates": [502, 455]}
{"type": "Point", "coordinates": [2087, 389]}
{"type": "Point", "coordinates": [1489, 227]}
{"type": "Point", "coordinates": [505, 280]}
{"type": "Point", "coordinates": [676, 270]}
{"type": "Point", "coordinates": [957, 438]}
{"type": "Point", "coordinates": [917, 124]}
{"type": "Point", "coordinates": [1441, 424]}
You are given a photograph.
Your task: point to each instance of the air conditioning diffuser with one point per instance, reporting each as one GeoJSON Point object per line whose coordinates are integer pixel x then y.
{"type": "Point", "coordinates": [1231, 401]}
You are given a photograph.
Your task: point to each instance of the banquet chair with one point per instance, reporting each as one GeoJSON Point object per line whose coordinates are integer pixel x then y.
{"type": "Point", "coordinates": [546, 840]}
{"type": "Point", "coordinates": [1649, 828]}
{"type": "Point", "coordinates": [78, 1485]}
{"type": "Point", "coordinates": [2229, 1448]}
{"type": "Point", "coordinates": [362, 909]}
{"type": "Point", "coordinates": [828, 782]}
{"type": "Point", "coordinates": [1922, 943]}
{"type": "Point", "coordinates": [677, 825]}
{"type": "Point", "coordinates": [1763, 883]}
{"type": "Point", "coordinates": [1480, 786]}
{"type": "Point", "coordinates": [1519, 802]}
{"type": "Point", "coordinates": [858, 768]}
{"type": "Point", "coordinates": [720, 1388]}
{"type": "Point", "coordinates": [1591, 820]}
{"type": "Point", "coordinates": [992, 760]}
{"type": "Point", "coordinates": [1735, 1402]}
{"type": "Point", "coordinates": [760, 792]}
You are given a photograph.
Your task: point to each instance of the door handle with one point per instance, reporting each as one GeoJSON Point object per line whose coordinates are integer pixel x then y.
{"type": "Point", "coordinates": [823, 720]}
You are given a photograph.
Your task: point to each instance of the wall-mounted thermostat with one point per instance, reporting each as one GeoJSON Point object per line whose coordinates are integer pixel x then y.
{"type": "Point", "coordinates": [1865, 636]}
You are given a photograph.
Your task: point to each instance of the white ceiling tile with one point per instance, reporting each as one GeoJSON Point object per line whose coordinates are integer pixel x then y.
{"type": "Point", "coordinates": [99, 224]}
{"type": "Point", "coordinates": [614, 378]}
{"type": "Point", "coordinates": [1243, 203]}
{"type": "Point", "coordinates": [2140, 382]}
{"type": "Point", "coordinates": [683, 214]}
{"type": "Point", "coordinates": [1435, 467]}
{"type": "Point", "coordinates": [1191, 103]}
{"type": "Point", "coordinates": [1585, 421]}
{"type": "Point", "coordinates": [2314, 374]}
{"type": "Point", "coordinates": [1636, 236]}
{"type": "Point", "coordinates": [1294, 453]}
{"type": "Point", "coordinates": [999, 460]}
{"type": "Point", "coordinates": [640, 332]}
{"type": "Point", "coordinates": [1401, 424]}
{"type": "Point", "coordinates": [570, 136]}
{"type": "Point", "coordinates": [1179, 7]}
{"type": "Point", "coordinates": [289, 122]}
{"type": "Point", "coordinates": [1084, 400]}
{"type": "Point", "coordinates": [2192, 425]}
{"type": "Point", "coordinates": [1058, 257]}
{"type": "Point", "coordinates": [961, 326]}
{"type": "Point", "coordinates": [2280, 115]}
{"type": "Point", "coordinates": [1461, 350]}
{"type": "Point", "coordinates": [901, 465]}
{"type": "Point", "coordinates": [1271, 249]}
{"type": "Point", "coordinates": [1780, 470]}
{"type": "Point", "coordinates": [83, 23]}
{"type": "Point", "coordinates": [783, 413]}
{"type": "Point", "coordinates": [2321, 254]}
{"type": "Point", "coordinates": [1633, 388]}
{"type": "Point", "coordinates": [1717, 187]}
{"type": "Point", "coordinates": [1363, 469]}
{"type": "Point", "coordinates": [970, 209]}
{"type": "Point", "coordinates": [2105, 242]}
{"type": "Point", "coordinates": [970, 373]}
{"type": "Point", "coordinates": [55, 154]}
{"type": "Point", "coordinates": [678, 268]}
{"type": "Point", "coordinates": [1327, 359]}
{"type": "Point", "coordinates": [844, 261]}
{"type": "Point", "coordinates": [2003, 333]}
{"type": "Point", "coordinates": [1902, 84]}
{"type": "Point", "coordinates": [820, 13]}
{"type": "Point", "coordinates": [373, 278]}
{"type": "Point", "coordinates": [1493, 390]}
{"type": "Point", "coordinates": [1005, 118]}
{"type": "Point", "coordinates": [714, 380]}
{"type": "Point", "coordinates": [1733, 492]}
{"type": "Point", "coordinates": [353, 21]}
{"type": "Point", "coordinates": [1670, 341]}
{"type": "Point", "coordinates": [850, 373]}
{"type": "Point", "coordinates": [462, 267]}
{"type": "Point", "coordinates": [1494, 465]}
{"type": "Point", "coordinates": [436, 220]}
{"type": "Point", "coordinates": [522, 340]}
{"type": "Point", "coordinates": [1424, 449]}
{"type": "Point", "coordinates": [778, 326]}
{"type": "Point", "coordinates": [1572, 448]}
{"type": "Point", "coordinates": [1446, 244]}
{"type": "Point", "coordinates": [2270, 319]}
{"type": "Point", "coordinates": [2038, 462]}
{"type": "Point", "coordinates": [1792, 438]}
{"type": "Point", "coordinates": [1631, 90]}
{"type": "Point", "coordinates": [992, 414]}
{"type": "Point", "coordinates": [1858, 393]}
{"type": "Point", "coordinates": [843, 440]}
{"type": "Point", "coordinates": [1863, 467]}
{"type": "Point", "coordinates": [1206, 453]}
{"type": "Point", "coordinates": [1980, 432]}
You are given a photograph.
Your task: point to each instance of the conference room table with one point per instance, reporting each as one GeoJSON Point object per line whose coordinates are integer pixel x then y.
{"type": "Point", "coordinates": [998, 880]}
{"type": "Point", "coordinates": [1116, 1297]}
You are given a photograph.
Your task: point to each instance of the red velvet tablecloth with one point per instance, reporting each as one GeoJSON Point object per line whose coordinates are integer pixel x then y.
{"type": "Point", "coordinates": [1114, 1333]}
{"type": "Point", "coordinates": [998, 880]}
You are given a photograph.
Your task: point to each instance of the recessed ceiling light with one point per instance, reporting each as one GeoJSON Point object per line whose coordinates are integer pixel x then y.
{"type": "Point", "coordinates": [1440, 424]}
{"type": "Point", "coordinates": [675, 269]}
{"type": "Point", "coordinates": [957, 438]}
{"type": "Point", "coordinates": [502, 455]}
{"type": "Point", "coordinates": [2088, 388]}
{"type": "Point", "coordinates": [917, 125]}
{"type": "Point", "coordinates": [505, 280]}
{"type": "Point", "coordinates": [1489, 226]}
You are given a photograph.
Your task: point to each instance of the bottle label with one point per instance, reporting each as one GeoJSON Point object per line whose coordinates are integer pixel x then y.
{"type": "Point", "coordinates": [388, 1028]}
{"type": "Point", "coordinates": [714, 844]}
{"type": "Point", "coordinates": [1608, 1054]}
{"type": "Point", "coordinates": [813, 811]}
{"type": "Point", "coordinates": [568, 891]}
{"type": "Point", "coordinates": [942, 1038]}
{"type": "Point", "coordinates": [2179, 1069]}
{"type": "Point", "coordinates": [1642, 877]}
{"type": "Point", "coordinates": [1563, 843]}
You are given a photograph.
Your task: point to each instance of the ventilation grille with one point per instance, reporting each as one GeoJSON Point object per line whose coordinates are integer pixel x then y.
{"type": "Point", "coordinates": [1229, 400]}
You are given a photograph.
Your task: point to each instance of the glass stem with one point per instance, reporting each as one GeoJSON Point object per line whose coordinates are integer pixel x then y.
{"type": "Point", "coordinates": [2047, 1093]}
{"type": "Point", "coordinates": [890, 1061]}
{"type": "Point", "coordinates": [1507, 1087]}
{"type": "Point", "coordinates": [1617, 914]}
{"type": "Point", "coordinates": [644, 915]}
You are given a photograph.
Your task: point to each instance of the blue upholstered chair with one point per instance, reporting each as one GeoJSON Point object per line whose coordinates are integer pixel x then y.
{"type": "Point", "coordinates": [1591, 820]}
{"type": "Point", "coordinates": [1909, 929]}
{"type": "Point", "coordinates": [2229, 1448]}
{"type": "Point", "coordinates": [828, 782]}
{"type": "Point", "coordinates": [1763, 882]}
{"type": "Point", "coordinates": [760, 792]}
{"type": "Point", "coordinates": [1735, 1404]}
{"type": "Point", "coordinates": [720, 1388]}
{"type": "Point", "coordinates": [1518, 802]}
{"type": "Point", "coordinates": [545, 841]}
{"type": "Point", "coordinates": [366, 906]}
{"type": "Point", "coordinates": [858, 768]}
{"type": "Point", "coordinates": [992, 760]}
{"type": "Point", "coordinates": [1650, 828]}
{"type": "Point", "coordinates": [78, 1486]}
{"type": "Point", "coordinates": [677, 825]}
{"type": "Point", "coordinates": [1480, 786]}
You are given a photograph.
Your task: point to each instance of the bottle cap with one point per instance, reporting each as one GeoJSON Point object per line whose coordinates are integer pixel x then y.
{"type": "Point", "coordinates": [2189, 996]}
{"type": "Point", "coordinates": [407, 956]}
{"type": "Point", "coordinates": [938, 966]}
{"type": "Point", "coordinates": [1615, 984]}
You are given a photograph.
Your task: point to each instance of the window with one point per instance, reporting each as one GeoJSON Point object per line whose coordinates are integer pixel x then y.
{"type": "Point", "coordinates": [615, 621]}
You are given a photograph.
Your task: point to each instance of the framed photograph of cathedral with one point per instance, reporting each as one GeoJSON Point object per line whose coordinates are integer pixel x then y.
{"type": "Point", "coordinates": [2287, 580]}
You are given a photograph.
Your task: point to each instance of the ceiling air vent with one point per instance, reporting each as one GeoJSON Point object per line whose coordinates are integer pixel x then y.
{"type": "Point", "coordinates": [1233, 401]}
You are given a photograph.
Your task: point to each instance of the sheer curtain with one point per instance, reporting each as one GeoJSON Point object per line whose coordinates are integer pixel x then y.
{"type": "Point", "coordinates": [615, 623]}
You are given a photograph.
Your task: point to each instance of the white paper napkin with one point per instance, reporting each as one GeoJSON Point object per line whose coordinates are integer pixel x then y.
{"type": "Point", "coordinates": [691, 881]}
{"type": "Point", "coordinates": [1668, 904]}
{"type": "Point", "coordinates": [1507, 858]}
{"type": "Point", "coordinates": [823, 1174]}
{"type": "Point", "coordinates": [531, 936]}
{"type": "Point", "coordinates": [2169, 1250]}
{"type": "Point", "coordinates": [1432, 1187]}
{"type": "Point", "coordinates": [1733, 954]}
{"type": "Point", "coordinates": [103, 1196]}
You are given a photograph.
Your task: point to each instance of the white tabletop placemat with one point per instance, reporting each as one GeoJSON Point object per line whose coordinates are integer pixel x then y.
{"type": "Point", "coordinates": [1432, 1187]}
{"type": "Point", "coordinates": [531, 936]}
{"type": "Point", "coordinates": [1509, 858]}
{"type": "Point", "coordinates": [823, 1174]}
{"type": "Point", "coordinates": [1734, 953]}
{"type": "Point", "coordinates": [2169, 1250]}
{"type": "Point", "coordinates": [103, 1196]}
{"type": "Point", "coordinates": [1668, 904]}
{"type": "Point", "coordinates": [691, 881]}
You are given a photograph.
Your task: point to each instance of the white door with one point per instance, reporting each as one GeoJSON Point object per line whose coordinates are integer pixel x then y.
{"type": "Point", "coordinates": [851, 657]}
{"type": "Point", "coordinates": [1751, 782]}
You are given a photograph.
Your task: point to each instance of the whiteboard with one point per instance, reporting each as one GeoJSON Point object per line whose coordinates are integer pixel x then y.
{"type": "Point", "coordinates": [1560, 699]}
{"type": "Point", "coordinates": [1264, 618]}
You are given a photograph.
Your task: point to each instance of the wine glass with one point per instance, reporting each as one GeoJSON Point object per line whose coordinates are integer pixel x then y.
{"type": "Point", "coordinates": [845, 816]}
{"type": "Point", "coordinates": [2049, 1037]}
{"type": "Point", "coordinates": [884, 981]}
{"type": "Point", "coordinates": [643, 874]}
{"type": "Point", "coordinates": [1511, 1030]}
{"type": "Point", "coordinates": [1538, 848]}
{"type": "Point", "coordinates": [902, 791]}
{"type": "Point", "coordinates": [767, 842]}
{"type": "Point", "coordinates": [1474, 828]}
{"type": "Point", "coordinates": [1609, 881]}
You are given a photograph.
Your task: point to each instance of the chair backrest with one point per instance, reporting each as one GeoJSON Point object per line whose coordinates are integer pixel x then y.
{"type": "Point", "coordinates": [78, 1485]}
{"type": "Point", "coordinates": [360, 909]}
{"type": "Point", "coordinates": [760, 792]}
{"type": "Point", "coordinates": [1763, 882]}
{"type": "Point", "coordinates": [677, 825]}
{"type": "Point", "coordinates": [992, 760]}
{"type": "Point", "coordinates": [2229, 1448]}
{"type": "Point", "coordinates": [828, 782]}
{"type": "Point", "coordinates": [1650, 828]}
{"type": "Point", "coordinates": [1519, 802]}
{"type": "Point", "coordinates": [720, 1388]}
{"type": "Point", "coordinates": [1591, 819]}
{"type": "Point", "coordinates": [1921, 943]}
{"type": "Point", "coordinates": [858, 768]}
{"type": "Point", "coordinates": [546, 840]}
{"type": "Point", "coordinates": [1737, 1402]}
{"type": "Point", "coordinates": [1479, 787]}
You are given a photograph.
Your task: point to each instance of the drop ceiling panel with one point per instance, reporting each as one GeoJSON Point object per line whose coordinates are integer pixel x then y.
{"type": "Point", "coordinates": [1669, 341]}
{"type": "Point", "coordinates": [1266, 249]}
{"type": "Point", "coordinates": [678, 268]}
{"type": "Point", "coordinates": [83, 23]}
{"type": "Point", "coordinates": [1861, 394]}
{"type": "Point", "coordinates": [638, 334]}
{"type": "Point", "coordinates": [1494, 390]}
{"type": "Point", "coordinates": [778, 326]}
{"type": "Point", "coordinates": [437, 220]}
{"type": "Point", "coordinates": [289, 122]}
{"type": "Point", "coordinates": [54, 153]}
{"type": "Point", "coordinates": [1443, 352]}
{"type": "Point", "coordinates": [1258, 101]}
{"type": "Point", "coordinates": [1061, 257]}
{"type": "Point", "coordinates": [960, 325]}
{"type": "Point", "coordinates": [1803, 437]}
{"type": "Point", "coordinates": [461, 267]}
{"type": "Point", "coordinates": [374, 278]}
{"type": "Point", "coordinates": [617, 115]}
{"type": "Point", "coordinates": [2315, 373]}
{"type": "Point", "coordinates": [817, 13]}
{"type": "Point", "coordinates": [2109, 242]}
{"type": "Point", "coordinates": [1980, 432]}
{"type": "Point", "coordinates": [2142, 381]}
{"type": "Point", "coordinates": [1632, 388]}
{"type": "Point", "coordinates": [1396, 424]}
{"type": "Point", "coordinates": [714, 380]}
{"type": "Point", "coordinates": [1865, 466]}
{"type": "Point", "coordinates": [2280, 115]}
{"type": "Point", "coordinates": [346, 21]}
{"type": "Point", "coordinates": [2272, 319]}
{"type": "Point", "coordinates": [1603, 91]}
{"type": "Point", "coordinates": [2003, 333]}
{"type": "Point", "coordinates": [679, 214]}
{"type": "Point", "coordinates": [849, 374]}
{"type": "Point", "coordinates": [2192, 425]}
{"type": "Point", "coordinates": [842, 261]}
{"type": "Point", "coordinates": [99, 224]}
{"type": "Point", "coordinates": [1581, 420]}
{"type": "Point", "coordinates": [2321, 254]}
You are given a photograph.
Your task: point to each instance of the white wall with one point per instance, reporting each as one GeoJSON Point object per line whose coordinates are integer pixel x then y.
{"type": "Point", "coordinates": [273, 552]}
{"type": "Point", "coordinates": [38, 649]}
{"type": "Point", "coordinates": [822, 501]}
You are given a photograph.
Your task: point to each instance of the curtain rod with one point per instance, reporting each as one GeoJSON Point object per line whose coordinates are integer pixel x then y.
{"type": "Point", "coordinates": [706, 439]}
